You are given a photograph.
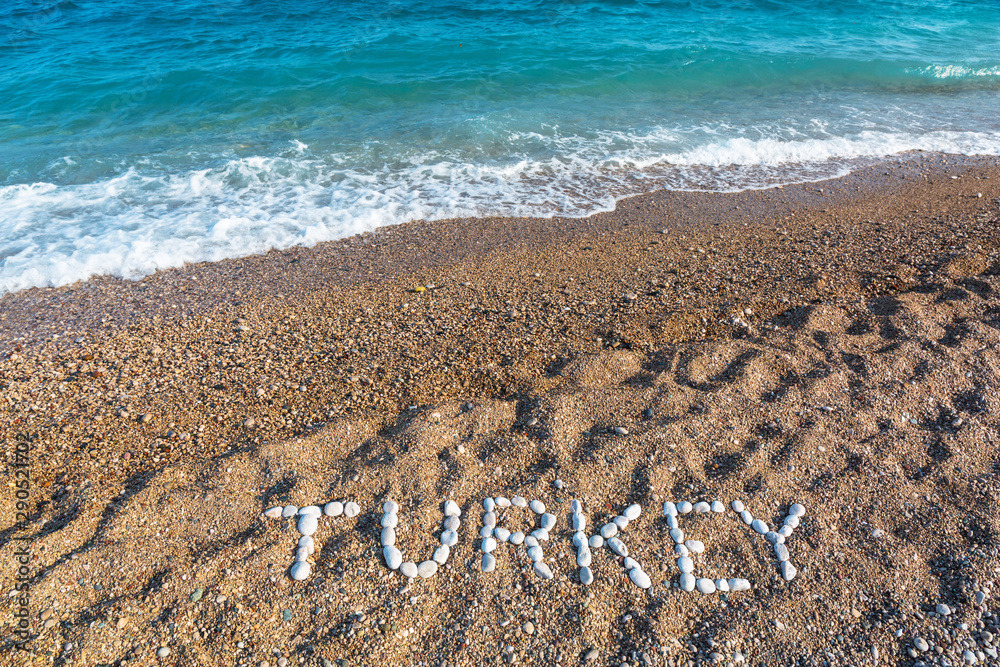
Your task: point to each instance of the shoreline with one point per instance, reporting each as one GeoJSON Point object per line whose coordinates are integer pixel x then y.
{"type": "Point", "coordinates": [835, 344]}
{"type": "Point", "coordinates": [391, 252]}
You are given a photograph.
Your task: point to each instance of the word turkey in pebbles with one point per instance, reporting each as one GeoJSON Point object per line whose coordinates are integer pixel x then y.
{"type": "Point", "coordinates": [492, 536]}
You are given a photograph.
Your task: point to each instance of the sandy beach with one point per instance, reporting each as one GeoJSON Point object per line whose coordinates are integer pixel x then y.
{"type": "Point", "coordinates": [831, 344]}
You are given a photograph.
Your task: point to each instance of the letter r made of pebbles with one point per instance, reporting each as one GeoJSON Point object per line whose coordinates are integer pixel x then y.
{"type": "Point", "coordinates": [493, 533]}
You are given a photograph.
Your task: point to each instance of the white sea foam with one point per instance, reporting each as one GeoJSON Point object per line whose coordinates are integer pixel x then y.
{"type": "Point", "coordinates": [146, 218]}
{"type": "Point", "coordinates": [958, 71]}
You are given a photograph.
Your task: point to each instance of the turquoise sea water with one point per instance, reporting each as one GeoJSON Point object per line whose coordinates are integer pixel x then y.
{"type": "Point", "coordinates": [141, 135]}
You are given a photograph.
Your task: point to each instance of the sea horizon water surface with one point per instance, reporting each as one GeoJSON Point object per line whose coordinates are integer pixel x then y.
{"type": "Point", "coordinates": [141, 135]}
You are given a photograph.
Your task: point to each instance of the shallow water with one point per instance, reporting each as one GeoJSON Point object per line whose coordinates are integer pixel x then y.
{"type": "Point", "coordinates": [137, 136]}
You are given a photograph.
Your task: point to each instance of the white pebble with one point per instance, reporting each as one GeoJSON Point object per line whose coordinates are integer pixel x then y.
{"type": "Point", "coordinates": [737, 585]}
{"type": "Point", "coordinates": [531, 541]}
{"type": "Point", "coordinates": [684, 507]}
{"type": "Point", "coordinates": [390, 520]}
{"type": "Point", "coordinates": [797, 510]}
{"type": "Point", "coordinates": [618, 546]}
{"type": "Point", "coordinates": [788, 570]}
{"type": "Point", "coordinates": [702, 508]}
{"type": "Point", "coordinates": [427, 569]}
{"type": "Point", "coordinates": [452, 523]}
{"type": "Point", "coordinates": [308, 524]}
{"type": "Point", "coordinates": [351, 509]}
{"type": "Point", "coordinates": [393, 557]}
{"type": "Point", "coordinates": [579, 521]}
{"type": "Point", "coordinates": [639, 578]}
{"type": "Point", "coordinates": [307, 542]}
{"type": "Point", "coordinates": [502, 534]}
{"type": "Point", "coordinates": [632, 512]}
{"type": "Point", "coordinates": [388, 537]}
{"type": "Point", "coordinates": [576, 507]}
{"type": "Point", "coordinates": [718, 507]}
{"type": "Point", "coordinates": [451, 508]}
{"type": "Point", "coordinates": [302, 553]}
{"type": "Point", "coordinates": [333, 509]}
{"type": "Point", "coordinates": [441, 554]}
{"type": "Point", "coordinates": [737, 506]}
{"type": "Point", "coordinates": [390, 507]}
{"type": "Point", "coordinates": [722, 585]}
{"type": "Point", "coordinates": [579, 539]}
{"type": "Point", "coordinates": [681, 550]}
{"type": "Point", "coordinates": [609, 530]}
{"type": "Point", "coordinates": [583, 558]}
{"type": "Point", "coordinates": [273, 513]}
{"type": "Point", "coordinates": [548, 521]}
{"type": "Point", "coordinates": [706, 586]}
{"type": "Point", "coordinates": [535, 554]}
{"type": "Point", "coordinates": [596, 541]}
{"type": "Point", "coordinates": [449, 537]}
{"type": "Point", "coordinates": [489, 563]}
{"type": "Point", "coordinates": [630, 563]}
{"type": "Point", "coordinates": [785, 531]}
{"type": "Point", "coordinates": [543, 570]}
{"type": "Point", "coordinates": [696, 546]}
{"type": "Point", "coordinates": [540, 534]}
{"type": "Point", "coordinates": [289, 511]}
{"type": "Point", "coordinates": [517, 537]}
{"type": "Point", "coordinates": [621, 522]}
{"type": "Point", "coordinates": [485, 532]}
{"type": "Point", "coordinates": [538, 507]}
{"type": "Point", "coordinates": [409, 569]}
{"type": "Point", "coordinates": [747, 517]}
{"type": "Point", "coordinates": [489, 504]}
{"type": "Point", "coordinates": [677, 535]}
{"type": "Point", "coordinates": [502, 501]}
{"type": "Point", "coordinates": [586, 576]}
{"type": "Point", "coordinates": [300, 570]}
{"type": "Point", "coordinates": [792, 521]}
{"type": "Point", "coordinates": [669, 509]}
{"type": "Point", "coordinates": [685, 564]}
{"type": "Point", "coordinates": [687, 582]}
{"type": "Point", "coordinates": [672, 522]}
{"type": "Point", "coordinates": [518, 501]}
{"type": "Point", "coordinates": [781, 551]}
{"type": "Point", "coordinates": [489, 519]}
{"type": "Point", "coordinates": [759, 526]}
{"type": "Point", "coordinates": [488, 545]}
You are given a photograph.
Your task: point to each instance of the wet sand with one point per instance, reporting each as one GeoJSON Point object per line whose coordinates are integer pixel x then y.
{"type": "Point", "coordinates": [832, 344]}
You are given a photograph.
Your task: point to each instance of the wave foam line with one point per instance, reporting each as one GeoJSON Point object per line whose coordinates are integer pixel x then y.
{"type": "Point", "coordinates": [137, 222]}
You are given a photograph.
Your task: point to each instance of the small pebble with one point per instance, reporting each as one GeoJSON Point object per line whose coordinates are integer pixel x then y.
{"type": "Point", "coordinates": [706, 586]}
{"type": "Point", "coordinates": [489, 563]}
{"type": "Point", "coordinates": [639, 578]}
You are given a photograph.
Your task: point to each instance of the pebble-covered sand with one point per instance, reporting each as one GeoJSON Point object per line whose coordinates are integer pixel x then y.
{"type": "Point", "coordinates": [238, 463]}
